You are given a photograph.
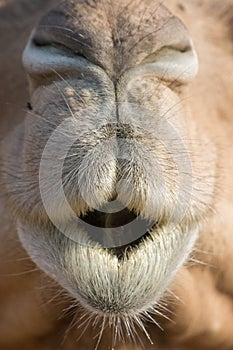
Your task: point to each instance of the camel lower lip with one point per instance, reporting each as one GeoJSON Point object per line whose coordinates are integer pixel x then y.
{"type": "Point", "coordinates": [90, 272]}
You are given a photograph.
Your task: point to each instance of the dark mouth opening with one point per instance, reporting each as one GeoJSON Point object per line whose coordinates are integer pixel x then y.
{"type": "Point", "coordinates": [109, 220]}
{"type": "Point", "coordinates": [119, 232]}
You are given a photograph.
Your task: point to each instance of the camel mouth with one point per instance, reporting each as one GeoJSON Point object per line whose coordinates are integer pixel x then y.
{"type": "Point", "coordinates": [118, 232]}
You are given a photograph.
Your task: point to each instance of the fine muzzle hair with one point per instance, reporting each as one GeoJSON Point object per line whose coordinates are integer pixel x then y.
{"type": "Point", "coordinates": [109, 195]}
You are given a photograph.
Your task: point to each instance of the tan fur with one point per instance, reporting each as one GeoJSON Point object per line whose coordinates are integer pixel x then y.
{"type": "Point", "coordinates": [31, 303]}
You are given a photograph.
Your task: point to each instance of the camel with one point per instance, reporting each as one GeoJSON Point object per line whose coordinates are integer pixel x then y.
{"type": "Point", "coordinates": [116, 162]}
